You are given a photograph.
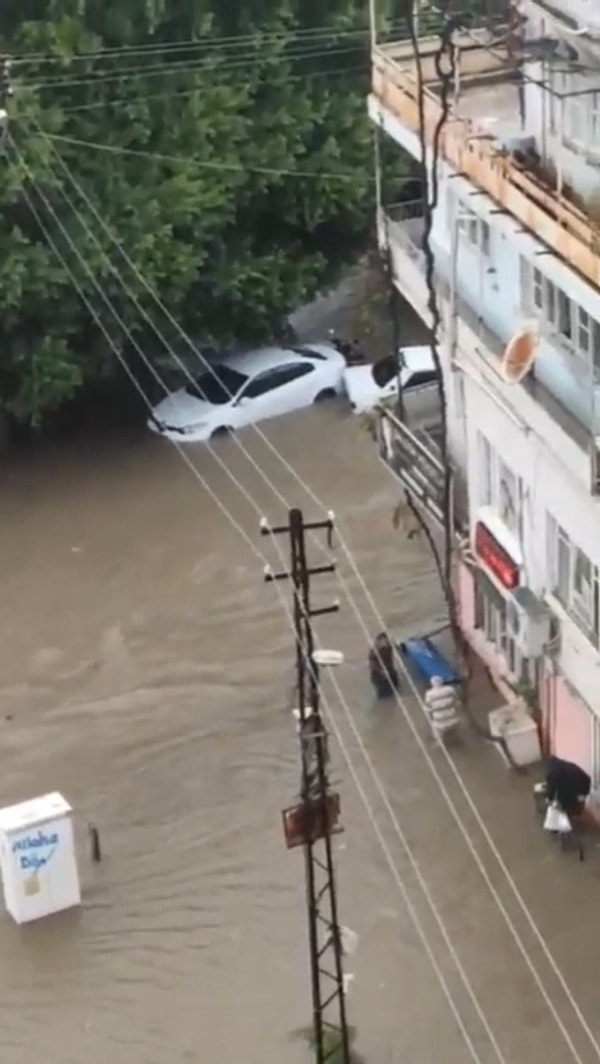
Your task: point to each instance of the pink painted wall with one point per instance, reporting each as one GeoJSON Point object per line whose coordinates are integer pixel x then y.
{"type": "Point", "coordinates": [569, 725]}
{"type": "Point", "coordinates": [466, 599]}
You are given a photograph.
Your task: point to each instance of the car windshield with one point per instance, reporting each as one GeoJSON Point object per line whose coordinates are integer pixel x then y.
{"type": "Point", "coordinates": [218, 385]}
{"type": "Point", "coordinates": [307, 352]}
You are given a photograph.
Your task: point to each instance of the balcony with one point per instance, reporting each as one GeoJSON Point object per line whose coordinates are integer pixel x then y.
{"type": "Point", "coordinates": [415, 457]}
{"type": "Point", "coordinates": [484, 114]}
{"type": "Point", "coordinates": [401, 228]}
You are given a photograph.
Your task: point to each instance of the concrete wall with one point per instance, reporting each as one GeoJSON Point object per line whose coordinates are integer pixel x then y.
{"type": "Point", "coordinates": [547, 488]}
{"type": "Point", "coordinates": [577, 162]}
{"type": "Point", "coordinates": [553, 467]}
{"type": "Point", "coordinates": [568, 724]}
{"type": "Point", "coordinates": [492, 287]}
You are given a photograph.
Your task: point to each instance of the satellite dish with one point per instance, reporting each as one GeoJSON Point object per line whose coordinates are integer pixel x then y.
{"type": "Point", "coordinates": [519, 356]}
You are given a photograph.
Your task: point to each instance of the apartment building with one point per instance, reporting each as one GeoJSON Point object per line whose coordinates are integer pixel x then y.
{"type": "Point", "coordinates": [516, 239]}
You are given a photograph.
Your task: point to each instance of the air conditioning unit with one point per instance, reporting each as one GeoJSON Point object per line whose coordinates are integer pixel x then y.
{"type": "Point", "coordinates": [529, 622]}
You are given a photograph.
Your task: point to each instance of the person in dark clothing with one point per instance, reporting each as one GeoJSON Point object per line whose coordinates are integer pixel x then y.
{"type": "Point", "coordinates": [382, 666]}
{"type": "Point", "coordinates": [567, 784]}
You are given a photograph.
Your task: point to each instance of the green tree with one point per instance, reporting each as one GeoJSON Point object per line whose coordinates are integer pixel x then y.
{"type": "Point", "coordinates": [197, 170]}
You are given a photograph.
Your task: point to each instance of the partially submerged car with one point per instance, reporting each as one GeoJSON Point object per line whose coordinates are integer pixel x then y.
{"type": "Point", "coordinates": [367, 385]}
{"type": "Point", "coordinates": [246, 388]}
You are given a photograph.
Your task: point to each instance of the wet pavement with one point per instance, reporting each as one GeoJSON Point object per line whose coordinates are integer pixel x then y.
{"type": "Point", "coordinates": [146, 672]}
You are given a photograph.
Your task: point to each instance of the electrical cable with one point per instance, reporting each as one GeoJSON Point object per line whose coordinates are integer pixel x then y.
{"type": "Point", "coordinates": [445, 52]}
{"type": "Point", "coordinates": [117, 101]}
{"type": "Point", "coordinates": [206, 43]}
{"type": "Point", "coordinates": [387, 853]}
{"type": "Point", "coordinates": [408, 717]}
{"type": "Point", "coordinates": [215, 66]}
{"type": "Point", "coordinates": [430, 184]}
{"type": "Point", "coordinates": [200, 164]}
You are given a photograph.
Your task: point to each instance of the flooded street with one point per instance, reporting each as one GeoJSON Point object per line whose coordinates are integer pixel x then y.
{"type": "Point", "coordinates": [146, 673]}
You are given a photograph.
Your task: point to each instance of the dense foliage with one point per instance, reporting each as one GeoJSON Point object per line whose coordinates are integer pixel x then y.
{"type": "Point", "coordinates": [188, 156]}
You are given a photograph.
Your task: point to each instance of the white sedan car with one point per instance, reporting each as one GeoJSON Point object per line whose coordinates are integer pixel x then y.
{"type": "Point", "coordinates": [246, 388]}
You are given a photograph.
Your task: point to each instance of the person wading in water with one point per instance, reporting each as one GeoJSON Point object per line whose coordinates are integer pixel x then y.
{"type": "Point", "coordinates": [382, 666]}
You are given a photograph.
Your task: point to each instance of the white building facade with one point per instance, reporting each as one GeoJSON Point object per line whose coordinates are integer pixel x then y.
{"type": "Point", "coordinates": [517, 247]}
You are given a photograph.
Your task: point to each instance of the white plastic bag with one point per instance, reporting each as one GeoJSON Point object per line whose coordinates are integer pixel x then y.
{"type": "Point", "coordinates": [556, 820]}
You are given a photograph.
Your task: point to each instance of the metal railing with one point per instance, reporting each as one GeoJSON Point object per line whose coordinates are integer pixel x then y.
{"type": "Point", "coordinates": [489, 344]}
{"type": "Point", "coordinates": [404, 223]}
{"type": "Point", "coordinates": [470, 150]}
{"type": "Point", "coordinates": [416, 459]}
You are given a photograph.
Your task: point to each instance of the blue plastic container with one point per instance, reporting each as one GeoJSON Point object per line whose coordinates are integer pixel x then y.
{"type": "Point", "coordinates": [428, 662]}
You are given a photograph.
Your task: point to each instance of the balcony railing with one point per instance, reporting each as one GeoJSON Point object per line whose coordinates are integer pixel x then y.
{"type": "Point", "coordinates": [407, 263]}
{"type": "Point", "coordinates": [416, 459]}
{"type": "Point", "coordinates": [405, 225]}
{"type": "Point", "coordinates": [469, 145]}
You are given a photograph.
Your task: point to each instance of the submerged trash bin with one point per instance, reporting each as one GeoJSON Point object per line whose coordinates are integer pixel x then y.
{"type": "Point", "coordinates": [37, 857]}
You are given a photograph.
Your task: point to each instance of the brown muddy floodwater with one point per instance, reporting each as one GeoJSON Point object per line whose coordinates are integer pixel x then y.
{"type": "Point", "coordinates": [146, 672]}
{"type": "Point", "coordinates": [146, 669]}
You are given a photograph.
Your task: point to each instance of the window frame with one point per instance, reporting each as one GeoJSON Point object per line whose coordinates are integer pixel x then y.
{"type": "Point", "coordinates": [304, 367]}
{"type": "Point", "coordinates": [568, 321]}
{"type": "Point", "coordinates": [474, 229]}
{"type": "Point", "coordinates": [574, 113]}
{"type": "Point", "coordinates": [491, 620]}
{"type": "Point", "coordinates": [493, 471]}
{"type": "Point", "coordinates": [415, 380]}
{"type": "Point", "coordinates": [579, 596]}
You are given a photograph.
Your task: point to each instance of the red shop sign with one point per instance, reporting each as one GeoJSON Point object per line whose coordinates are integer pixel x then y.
{"type": "Point", "coordinates": [495, 558]}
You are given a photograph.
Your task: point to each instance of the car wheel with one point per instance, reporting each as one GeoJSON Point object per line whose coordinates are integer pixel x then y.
{"type": "Point", "coordinates": [223, 430]}
{"type": "Point", "coordinates": [325, 395]}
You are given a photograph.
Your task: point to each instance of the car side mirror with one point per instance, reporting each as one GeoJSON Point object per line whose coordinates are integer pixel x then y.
{"type": "Point", "coordinates": [242, 400]}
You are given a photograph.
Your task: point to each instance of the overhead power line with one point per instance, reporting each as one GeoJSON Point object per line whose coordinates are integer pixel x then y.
{"type": "Point", "coordinates": [413, 914]}
{"type": "Point", "coordinates": [212, 41]}
{"type": "Point", "coordinates": [418, 738]}
{"type": "Point", "coordinates": [216, 65]}
{"type": "Point", "coordinates": [308, 75]}
{"type": "Point", "coordinates": [456, 815]}
{"type": "Point", "coordinates": [312, 822]}
{"type": "Point", "coordinates": [329, 175]}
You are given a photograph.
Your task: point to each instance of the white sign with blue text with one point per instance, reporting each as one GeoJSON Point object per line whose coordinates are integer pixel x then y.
{"type": "Point", "coordinates": [37, 851]}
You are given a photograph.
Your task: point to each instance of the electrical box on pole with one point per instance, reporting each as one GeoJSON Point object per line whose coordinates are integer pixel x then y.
{"type": "Point", "coordinates": [313, 820]}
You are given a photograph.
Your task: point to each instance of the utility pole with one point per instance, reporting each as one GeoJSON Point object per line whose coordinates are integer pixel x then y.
{"type": "Point", "coordinates": [315, 817]}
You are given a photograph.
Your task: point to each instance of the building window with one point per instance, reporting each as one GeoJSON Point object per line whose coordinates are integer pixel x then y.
{"type": "Point", "coordinates": [573, 579]}
{"type": "Point", "coordinates": [474, 229]}
{"type": "Point", "coordinates": [490, 619]}
{"type": "Point", "coordinates": [576, 330]}
{"type": "Point", "coordinates": [490, 616]}
{"type": "Point", "coordinates": [485, 472]}
{"type": "Point", "coordinates": [498, 486]}
{"type": "Point", "coordinates": [575, 110]}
